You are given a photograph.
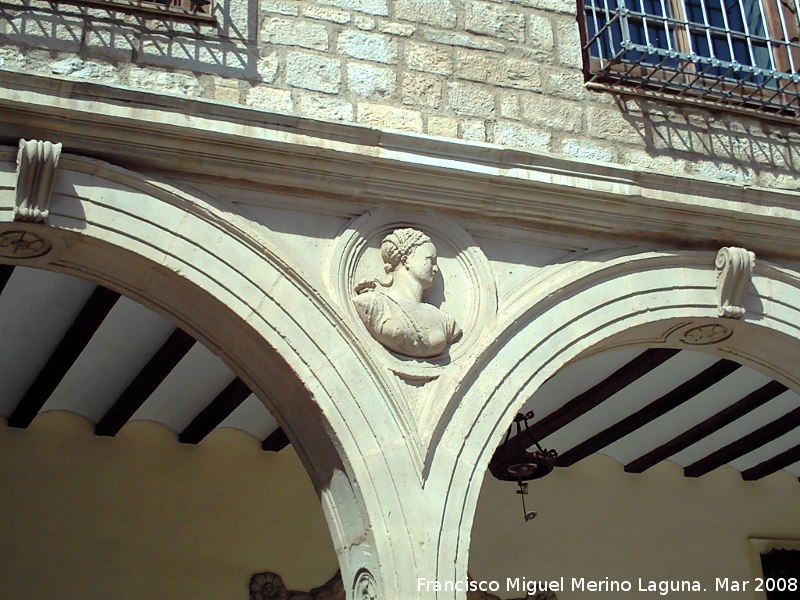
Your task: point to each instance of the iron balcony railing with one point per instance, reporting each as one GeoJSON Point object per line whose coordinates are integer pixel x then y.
{"type": "Point", "coordinates": [743, 54]}
{"type": "Point", "coordinates": [199, 11]}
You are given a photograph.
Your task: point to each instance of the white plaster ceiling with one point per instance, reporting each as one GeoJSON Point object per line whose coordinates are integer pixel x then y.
{"type": "Point", "coordinates": [38, 307]}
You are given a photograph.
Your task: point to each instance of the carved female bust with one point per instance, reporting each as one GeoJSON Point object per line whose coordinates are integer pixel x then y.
{"type": "Point", "coordinates": [396, 316]}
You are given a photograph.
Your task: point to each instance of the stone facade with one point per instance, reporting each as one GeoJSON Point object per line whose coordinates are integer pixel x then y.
{"type": "Point", "coordinates": [504, 73]}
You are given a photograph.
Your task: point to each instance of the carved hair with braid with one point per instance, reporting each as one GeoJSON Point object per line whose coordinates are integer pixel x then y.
{"type": "Point", "coordinates": [399, 245]}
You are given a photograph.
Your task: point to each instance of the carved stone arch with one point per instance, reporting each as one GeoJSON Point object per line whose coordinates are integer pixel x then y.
{"type": "Point", "coordinates": [219, 277]}
{"type": "Point", "coordinates": [590, 306]}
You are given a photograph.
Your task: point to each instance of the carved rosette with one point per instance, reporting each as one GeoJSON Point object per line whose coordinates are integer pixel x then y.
{"type": "Point", "coordinates": [364, 587]}
{"type": "Point", "coordinates": [270, 586]}
{"type": "Point", "coordinates": [734, 268]}
{"type": "Point", "coordinates": [36, 168]}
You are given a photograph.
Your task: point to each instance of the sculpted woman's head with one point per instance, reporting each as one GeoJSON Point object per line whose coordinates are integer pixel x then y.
{"type": "Point", "coordinates": [412, 250]}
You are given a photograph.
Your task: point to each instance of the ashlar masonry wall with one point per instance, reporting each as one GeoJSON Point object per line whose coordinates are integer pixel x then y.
{"type": "Point", "coordinates": [506, 72]}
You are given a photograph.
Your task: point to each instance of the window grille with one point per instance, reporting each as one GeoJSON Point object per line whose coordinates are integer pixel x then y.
{"type": "Point", "coordinates": [743, 54]}
{"type": "Point", "coordinates": [200, 11]}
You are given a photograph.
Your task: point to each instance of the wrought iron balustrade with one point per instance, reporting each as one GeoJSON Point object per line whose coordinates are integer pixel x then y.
{"type": "Point", "coordinates": [742, 54]}
{"type": "Point", "coordinates": [201, 11]}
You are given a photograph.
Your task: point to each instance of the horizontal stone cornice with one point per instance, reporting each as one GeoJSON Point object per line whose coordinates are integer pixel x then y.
{"type": "Point", "coordinates": [147, 131]}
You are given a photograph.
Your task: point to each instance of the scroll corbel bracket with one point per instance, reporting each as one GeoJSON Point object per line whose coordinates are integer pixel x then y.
{"type": "Point", "coordinates": [734, 267]}
{"type": "Point", "coordinates": [36, 170]}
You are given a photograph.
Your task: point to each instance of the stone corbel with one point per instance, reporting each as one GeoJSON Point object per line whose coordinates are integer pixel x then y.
{"type": "Point", "coordinates": [734, 271]}
{"type": "Point", "coordinates": [36, 169]}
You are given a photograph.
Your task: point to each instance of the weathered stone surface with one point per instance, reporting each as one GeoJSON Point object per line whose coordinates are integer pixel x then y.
{"type": "Point", "coordinates": [506, 72]}
{"type": "Point", "coordinates": [401, 29]}
{"type": "Point", "coordinates": [76, 68]}
{"type": "Point", "coordinates": [514, 134]}
{"type": "Point", "coordinates": [268, 67]}
{"type": "Point", "coordinates": [569, 43]}
{"type": "Point", "coordinates": [376, 47]}
{"type": "Point", "coordinates": [509, 107]}
{"type": "Point", "coordinates": [295, 32]}
{"type": "Point", "coordinates": [371, 81]}
{"type": "Point", "coordinates": [610, 124]}
{"type": "Point", "coordinates": [439, 13]}
{"type": "Point", "coordinates": [325, 13]}
{"type": "Point", "coordinates": [282, 7]}
{"type": "Point", "coordinates": [473, 131]}
{"type": "Point", "coordinates": [388, 117]}
{"type": "Point", "coordinates": [495, 20]}
{"type": "Point", "coordinates": [422, 89]}
{"type": "Point", "coordinates": [432, 59]}
{"type": "Point", "coordinates": [161, 81]}
{"type": "Point", "coordinates": [564, 83]}
{"type": "Point", "coordinates": [325, 108]}
{"type": "Point", "coordinates": [581, 148]}
{"type": "Point", "coordinates": [552, 113]}
{"type": "Point", "coordinates": [541, 39]}
{"type": "Point", "coordinates": [273, 99]}
{"type": "Point", "coordinates": [227, 90]}
{"type": "Point", "coordinates": [442, 126]}
{"type": "Point", "coordinates": [364, 23]}
{"type": "Point", "coordinates": [313, 72]}
{"type": "Point", "coordinates": [560, 6]}
{"type": "Point", "coordinates": [462, 39]}
{"type": "Point", "coordinates": [470, 99]}
{"type": "Point", "coordinates": [372, 7]}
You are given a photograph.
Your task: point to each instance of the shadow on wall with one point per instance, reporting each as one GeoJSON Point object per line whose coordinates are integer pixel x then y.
{"type": "Point", "coordinates": [228, 49]}
{"type": "Point", "coordinates": [720, 144]}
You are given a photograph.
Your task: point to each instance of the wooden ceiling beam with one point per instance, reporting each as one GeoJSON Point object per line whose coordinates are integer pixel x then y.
{"type": "Point", "coordinates": [619, 379]}
{"type": "Point", "coordinates": [216, 412]}
{"type": "Point", "coordinates": [770, 466]}
{"type": "Point", "coordinates": [748, 443]}
{"type": "Point", "coordinates": [276, 441]}
{"type": "Point", "coordinates": [684, 392]}
{"type": "Point", "coordinates": [145, 383]}
{"type": "Point", "coordinates": [64, 356]}
{"type": "Point", "coordinates": [5, 274]}
{"type": "Point", "coordinates": [714, 423]}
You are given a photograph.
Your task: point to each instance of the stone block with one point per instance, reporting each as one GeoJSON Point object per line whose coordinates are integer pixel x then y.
{"type": "Point", "coordinates": [313, 72]}
{"type": "Point", "coordinates": [464, 40]}
{"type": "Point", "coordinates": [473, 131]}
{"type": "Point", "coordinates": [442, 126]}
{"type": "Point", "coordinates": [282, 7]}
{"type": "Point", "coordinates": [325, 108]}
{"type": "Point", "coordinates": [270, 98]}
{"type": "Point", "coordinates": [431, 59]}
{"type": "Point", "coordinates": [295, 32]}
{"type": "Point", "coordinates": [371, 81]}
{"type": "Point", "coordinates": [268, 67]}
{"type": "Point", "coordinates": [584, 149]}
{"type": "Point", "coordinates": [421, 89]}
{"type": "Point", "coordinates": [559, 6]}
{"type": "Point", "coordinates": [389, 117]}
{"type": "Point", "coordinates": [376, 47]}
{"type": "Point", "coordinates": [399, 29]}
{"type": "Point", "coordinates": [610, 124]}
{"type": "Point", "coordinates": [564, 83]}
{"type": "Point", "coordinates": [514, 134]}
{"type": "Point", "coordinates": [326, 13]}
{"type": "Point", "coordinates": [372, 7]}
{"type": "Point", "coordinates": [226, 90]}
{"type": "Point", "coordinates": [552, 112]}
{"type": "Point", "coordinates": [364, 23]}
{"type": "Point", "coordinates": [509, 107]}
{"type": "Point", "coordinates": [569, 43]}
{"type": "Point", "coordinates": [470, 100]}
{"type": "Point", "coordinates": [494, 20]}
{"type": "Point", "coordinates": [439, 13]}
{"type": "Point", "coordinates": [75, 68]}
{"type": "Point", "coordinates": [541, 39]}
{"type": "Point", "coordinates": [505, 72]}
{"type": "Point", "coordinates": [165, 82]}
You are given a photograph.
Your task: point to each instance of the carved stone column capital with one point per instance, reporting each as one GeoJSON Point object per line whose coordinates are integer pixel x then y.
{"type": "Point", "coordinates": [36, 168]}
{"type": "Point", "coordinates": [734, 268]}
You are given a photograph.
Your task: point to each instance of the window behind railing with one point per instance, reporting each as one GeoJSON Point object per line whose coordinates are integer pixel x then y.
{"type": "Point", "coordinates": [742, 53]}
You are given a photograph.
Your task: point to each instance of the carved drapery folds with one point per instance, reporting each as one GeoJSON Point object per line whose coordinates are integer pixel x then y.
{"type": "Point", "coordinates": [36, 169]}
{"type": "Point", "coordinates": [734, 271]}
